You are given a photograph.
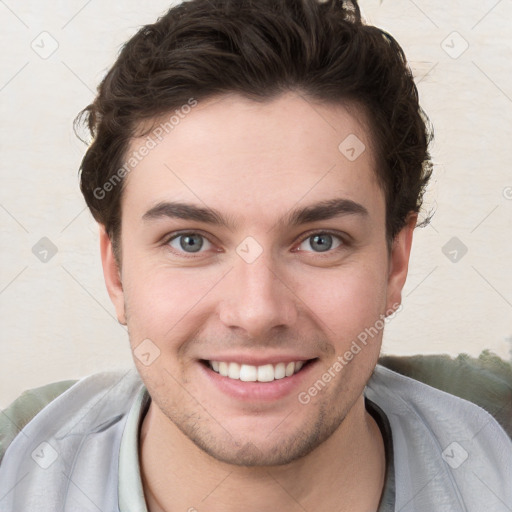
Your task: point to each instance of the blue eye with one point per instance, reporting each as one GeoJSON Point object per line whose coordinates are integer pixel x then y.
{"type": "Point", "coordinates": [188, 242]}
{"type": "Point", "coordinates": [322, 242]}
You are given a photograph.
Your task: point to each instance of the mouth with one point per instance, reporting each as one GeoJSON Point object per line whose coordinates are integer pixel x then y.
{"type": "Point", "coordinates": [269, 372]}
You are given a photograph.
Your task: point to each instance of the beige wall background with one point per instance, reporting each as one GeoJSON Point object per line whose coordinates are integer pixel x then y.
{"type": "Point", "coordinates": [56, 318]}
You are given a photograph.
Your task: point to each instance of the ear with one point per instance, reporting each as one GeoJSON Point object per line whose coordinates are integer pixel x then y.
{"type": "Point", "coordinates": [112, 275]}
{"type": "Point", "coordinates": [399, 262]}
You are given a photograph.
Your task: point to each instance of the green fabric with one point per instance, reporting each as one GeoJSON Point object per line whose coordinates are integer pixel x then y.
{"type": "Point", "coordinates": [25, 407]}
{"type": "Point", "coordinates": [485, 381]}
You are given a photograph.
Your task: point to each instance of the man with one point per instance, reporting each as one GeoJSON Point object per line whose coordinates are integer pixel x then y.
{"type": "Point", "coordinates": [257, 170]}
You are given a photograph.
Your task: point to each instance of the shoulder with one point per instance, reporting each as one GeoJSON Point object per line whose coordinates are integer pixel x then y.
{"type": "Point", "coordinates": [82, 425]}
{"type": "Point", "coordinates": [485, 381]}
{"type": "Point", "coordinates": [444, 446]}
{"type": "Point", "coordinates": [407, 397]}
{"type": "Point", "coordinates": [63, 395]}
{"type": "Point", "coordinates": [14, 417]}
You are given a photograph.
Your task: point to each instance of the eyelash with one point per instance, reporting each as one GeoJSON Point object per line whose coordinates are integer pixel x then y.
{"type": "Point", "coordinates": [342, 238]}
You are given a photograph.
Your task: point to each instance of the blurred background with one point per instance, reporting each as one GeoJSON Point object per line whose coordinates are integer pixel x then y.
{"type": "Point", "coordinates": [57, 321]}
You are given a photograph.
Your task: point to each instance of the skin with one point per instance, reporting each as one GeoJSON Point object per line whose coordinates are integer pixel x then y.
{"type": "Point", "coordinates": [255, 162]}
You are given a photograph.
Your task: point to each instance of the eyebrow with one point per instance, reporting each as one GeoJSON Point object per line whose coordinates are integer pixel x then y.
{"type": "Point", "coordinates": [323, 210]}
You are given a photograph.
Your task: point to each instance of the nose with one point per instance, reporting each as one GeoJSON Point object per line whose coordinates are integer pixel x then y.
{"type": "Point", "coordinates": [256, 299]}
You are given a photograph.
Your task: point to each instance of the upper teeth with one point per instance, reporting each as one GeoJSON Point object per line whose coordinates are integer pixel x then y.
{"type": "Point", "coordinates": [249, 373]}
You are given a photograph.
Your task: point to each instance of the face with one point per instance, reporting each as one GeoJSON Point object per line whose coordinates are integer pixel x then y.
{"type": "Point", "coordinates": [253, 256]}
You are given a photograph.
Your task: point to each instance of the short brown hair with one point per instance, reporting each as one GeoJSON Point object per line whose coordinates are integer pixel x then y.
{"type": "Point", "coordinates": [260, 49]}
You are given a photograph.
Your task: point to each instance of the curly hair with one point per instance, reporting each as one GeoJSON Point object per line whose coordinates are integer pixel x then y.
{"type": "Point", "coordinates": [259, 49]}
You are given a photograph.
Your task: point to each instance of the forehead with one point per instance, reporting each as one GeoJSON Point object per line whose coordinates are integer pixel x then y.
{"type": "Point", "coordinates": [250, 158]}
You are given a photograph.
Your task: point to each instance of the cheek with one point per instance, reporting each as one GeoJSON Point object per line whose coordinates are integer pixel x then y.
{"type": "Point", "coordinates": [349, 301]}
{"type": "Point", "coordinates": [159, 300]}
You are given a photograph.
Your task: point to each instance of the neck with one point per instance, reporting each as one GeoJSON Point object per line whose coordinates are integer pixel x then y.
{"type": "Point", "coordinates": [345, 473]}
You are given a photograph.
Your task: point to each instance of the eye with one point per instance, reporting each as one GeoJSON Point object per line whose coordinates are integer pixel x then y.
{"type": "Point", "coordinates": [188, 242]}
{"type": "Point", "coordinates": [321, 242]}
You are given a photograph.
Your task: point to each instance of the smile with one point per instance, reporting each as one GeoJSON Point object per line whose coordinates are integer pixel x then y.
{"type": "Point", "coordinates": [250, 373]}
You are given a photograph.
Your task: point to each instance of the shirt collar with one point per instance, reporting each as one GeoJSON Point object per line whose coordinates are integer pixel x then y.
{"type": "Point", "coordinates": [130, 491]}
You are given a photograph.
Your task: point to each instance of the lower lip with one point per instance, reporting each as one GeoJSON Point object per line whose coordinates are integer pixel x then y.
{"type": "Point", "coordinates": [259, 391]}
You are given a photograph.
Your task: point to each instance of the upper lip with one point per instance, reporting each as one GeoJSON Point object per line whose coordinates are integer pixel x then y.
{"type": "Point", "coordinates": [257, 360]}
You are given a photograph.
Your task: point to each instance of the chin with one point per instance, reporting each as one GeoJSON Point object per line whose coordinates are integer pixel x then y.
{"type": "Point", "coordinates": [257, 449]}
